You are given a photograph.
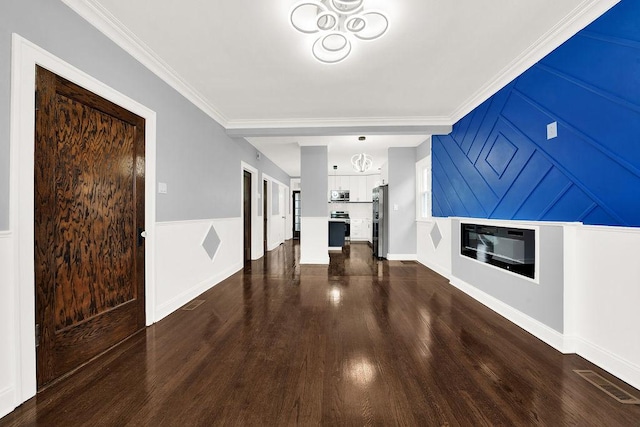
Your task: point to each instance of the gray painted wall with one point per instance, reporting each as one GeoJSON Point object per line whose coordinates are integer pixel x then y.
{"type": "Point", "coordinates": [195, 157]}
{"type": "Point", "coordinates": [402, 192]}
{"type": "Point", "coordinates": [423, 150]}
{"type": "Point", "coordinates": [542, 301]}
{"type": "Point", "coordinates": [314, 181]}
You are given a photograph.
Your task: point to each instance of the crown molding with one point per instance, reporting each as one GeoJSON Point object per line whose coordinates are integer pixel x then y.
{"type": "Point", "coordinates": [584, 14]}
{"type": "Point", "coordinates": [105, 22]}
{"type": "Point", "coordinates": [341, 126]}
{"type": "Point", "coordinates": [117, 32]}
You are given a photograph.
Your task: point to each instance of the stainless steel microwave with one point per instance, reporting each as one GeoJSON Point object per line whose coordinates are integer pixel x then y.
{"type": "Point", "coordinates": [339, 195]}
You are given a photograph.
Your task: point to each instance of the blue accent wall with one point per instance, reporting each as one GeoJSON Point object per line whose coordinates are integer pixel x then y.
{"type": "Point", "coordinates": [498, 163]}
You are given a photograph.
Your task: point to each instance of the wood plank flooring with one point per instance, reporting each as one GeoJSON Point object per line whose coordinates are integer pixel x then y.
{"type": "Point", "coordinates": [358, 342]}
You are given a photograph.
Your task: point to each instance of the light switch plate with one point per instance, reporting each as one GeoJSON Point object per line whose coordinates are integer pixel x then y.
{"type": "Point", "coordinates": [395, 207]}
{"type": "Point", "coordinates": [162, 187]}
{"type": "Point", "coordinates": [552, 130]}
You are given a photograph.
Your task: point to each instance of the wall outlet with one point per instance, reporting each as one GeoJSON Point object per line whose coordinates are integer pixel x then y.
{"type": "Point", "coordinates": [552, 130]}
{"type": "Point", "coordinates": [162, 187]}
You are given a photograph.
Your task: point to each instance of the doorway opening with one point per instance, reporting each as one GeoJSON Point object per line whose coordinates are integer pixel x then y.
{"type": "Point", "coordinates": [296, 214]}
{"type": "Point", "coordinates": [246, 200]}
{"type": "Point", "coordinates": [265, 215]}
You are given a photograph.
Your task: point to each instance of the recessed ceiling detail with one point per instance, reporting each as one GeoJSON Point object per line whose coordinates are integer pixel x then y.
{"type": "Point", "coordinates": [338, 23]}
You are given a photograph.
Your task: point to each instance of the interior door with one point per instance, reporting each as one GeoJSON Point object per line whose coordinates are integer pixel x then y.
{"type": "Point", "coordinates": [89, 213]}
{"type": "Point", "coordinates": [247, 215]}
{"type": "Point", "coordinates": [296, 214]}
{"type": "Point", "coordinates": [265, 215]}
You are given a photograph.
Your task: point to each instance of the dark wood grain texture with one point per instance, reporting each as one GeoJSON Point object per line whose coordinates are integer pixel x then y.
{"type": "Point", "coordinates": [89, 197]}
{"type": "Point", "coordinates": [358, 342]}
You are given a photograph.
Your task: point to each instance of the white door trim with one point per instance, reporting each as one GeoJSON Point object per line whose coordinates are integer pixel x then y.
{"type": "Point", "coordinates": [25, 56]}
{"type": "Point", "coordinates": [256, 248]}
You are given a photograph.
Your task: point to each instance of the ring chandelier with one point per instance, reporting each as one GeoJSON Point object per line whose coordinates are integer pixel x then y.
{"type": "Point", "coordinates": [338, 23]}
{"type": "Point", "coordinates": [361, 162]}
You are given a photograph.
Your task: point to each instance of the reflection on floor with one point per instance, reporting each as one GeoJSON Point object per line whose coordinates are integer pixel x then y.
{"type": "Point", "coordinates": [359, 341]}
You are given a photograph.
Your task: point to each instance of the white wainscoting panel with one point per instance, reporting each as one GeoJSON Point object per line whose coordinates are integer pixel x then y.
{"type": "Point", "coordinates": [184, 270]}
{"type": "Point", "coordinates": [7, 325]}
{"type": "Point", "coordinates": [538, 329]}
{"type": "Point", "coordinates": [314, 240]}
{"type": "Point", "coordinates": [437, 258]}
{"type": "Point", "coordinates": [607, 305]}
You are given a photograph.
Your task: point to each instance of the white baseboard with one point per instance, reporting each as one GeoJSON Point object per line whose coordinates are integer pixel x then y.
{"type": "Point", "coordinates": [623, 369]}
{"type": "Point", "coordinates": [273, 246]}
{"type": "Point", "coordinates": [323, 261]}
{"type": "Point", "coordinates": [170, 306]}
{"type": "Point", "coordinates": [437, 268]}
{"type": "Point", "coordinates": [541, 331]}
{"type": "Point", "coordinates": [402, 257]}
{"type": "Point", "coordinates": [7, 401]}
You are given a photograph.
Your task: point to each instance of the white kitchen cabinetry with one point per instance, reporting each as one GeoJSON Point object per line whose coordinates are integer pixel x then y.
{"type": "Point", "coordinates": [358, 230]}
{"type": "Point", "coordinates": [343, 183]}
{"type": "Point", "coordinates": [358, 188]}
{"type": "Point", "coordinates": [332, 186]}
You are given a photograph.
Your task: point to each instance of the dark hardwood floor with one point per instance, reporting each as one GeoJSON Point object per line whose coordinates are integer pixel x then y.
{"type": "Point", "coordinates": [358, 342]}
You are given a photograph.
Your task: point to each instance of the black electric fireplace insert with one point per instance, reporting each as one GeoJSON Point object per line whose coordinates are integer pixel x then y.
{"type": "Point", "coordinates": [513, 249]}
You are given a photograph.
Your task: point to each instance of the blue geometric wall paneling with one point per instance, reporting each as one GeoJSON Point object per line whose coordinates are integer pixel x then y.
{"type": "Point", "coordinates": [498, 163]}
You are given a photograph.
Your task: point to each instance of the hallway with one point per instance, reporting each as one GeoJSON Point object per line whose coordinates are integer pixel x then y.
{"type": "Point", "coordinates": [358, 342]}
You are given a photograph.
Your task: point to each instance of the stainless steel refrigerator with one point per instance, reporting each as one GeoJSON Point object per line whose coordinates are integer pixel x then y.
{"type": "Point", "coordinates": [380, 231]}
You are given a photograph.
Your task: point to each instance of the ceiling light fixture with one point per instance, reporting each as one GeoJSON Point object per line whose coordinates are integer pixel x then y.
{"type": "Point", "coordinates": [361, 162]}
{"type": "Point", "coordinates": [339, 23]}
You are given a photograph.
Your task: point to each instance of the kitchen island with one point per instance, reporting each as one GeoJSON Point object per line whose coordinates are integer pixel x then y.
{"type": "Point", "coordinates": [337, 232]}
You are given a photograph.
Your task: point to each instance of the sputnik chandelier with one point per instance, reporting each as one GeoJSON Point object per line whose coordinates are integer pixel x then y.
{"type": "Point", "coordinates": [338, 23]}
{"type": "Point", "coordinates": [361, 162]}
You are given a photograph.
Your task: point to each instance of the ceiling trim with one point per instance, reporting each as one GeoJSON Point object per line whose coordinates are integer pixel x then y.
{"type": "Point", "coordinates": [342, 126]}
{"type": "Point", "coordinates": [105, 22]}
{"type": "Point", "coordinates": [110, 26]}
{"type": "Point", "coordinates": [584, 14]}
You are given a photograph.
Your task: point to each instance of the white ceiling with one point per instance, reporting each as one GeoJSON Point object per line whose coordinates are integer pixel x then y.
{"type": "Point", "coordinates": [243, 63]}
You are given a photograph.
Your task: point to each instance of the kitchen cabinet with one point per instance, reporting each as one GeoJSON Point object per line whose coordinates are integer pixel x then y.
{"type": "Point", "coordinates": [342, 182]}
{"type": "Point", "coordinates": [358, 230]}
{"type": "Point", "coordinates": [358, 188]}
{"type": "Point", "coordinates": [332, 186]}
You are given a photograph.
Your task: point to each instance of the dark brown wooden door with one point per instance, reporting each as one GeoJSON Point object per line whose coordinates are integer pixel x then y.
{"type": "Point", "coordinates": [265, 215]}
{"type": "Point", "coordinates": [247, 216]}
{"type": "Point", "coordinates": [89, 211]}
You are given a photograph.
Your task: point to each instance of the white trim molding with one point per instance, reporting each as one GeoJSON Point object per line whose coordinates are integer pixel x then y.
{"type": "Point", "coordinates": [25, 57]}
{"type": "Point", "coordinates": [184, 267]}
{"type": "Point", "coordinates": [584, 14]}
{"type": "Point", "coordinates": [543, 332]}
{"type": "Point", "coordinates": [402, 257]}
{"type": "Point", "coordinates": [94, 13]}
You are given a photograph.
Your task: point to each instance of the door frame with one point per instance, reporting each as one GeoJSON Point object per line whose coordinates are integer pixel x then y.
{"type": "Point", "coordinates": [256, 249]}
{"type": "Point", "coordinates": [24, 58]}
